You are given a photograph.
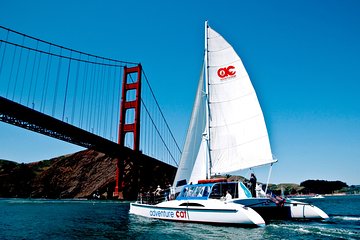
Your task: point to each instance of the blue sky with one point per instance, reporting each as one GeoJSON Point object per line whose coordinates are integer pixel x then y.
{"type": "Point", "coordinates": [303, 58]}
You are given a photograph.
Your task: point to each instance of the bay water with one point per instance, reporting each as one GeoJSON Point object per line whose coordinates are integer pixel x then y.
{"type": "Point", "coordinates": [87, 219]}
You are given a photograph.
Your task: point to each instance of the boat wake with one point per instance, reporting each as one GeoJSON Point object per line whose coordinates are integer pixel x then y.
{"type": "Point", "coordinates": [306, 231]}
{"type": "Point", "coordinates": [347, 218]}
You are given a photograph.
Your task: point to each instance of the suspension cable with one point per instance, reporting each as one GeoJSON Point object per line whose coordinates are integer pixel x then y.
{"type": "Point", "coordinates": [162, 115]}
{"type": "Point", "coordinates": [69, 49]}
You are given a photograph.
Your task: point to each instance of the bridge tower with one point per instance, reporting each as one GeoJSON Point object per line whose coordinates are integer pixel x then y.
{"type": "Point", "coordinates": [125, 167]}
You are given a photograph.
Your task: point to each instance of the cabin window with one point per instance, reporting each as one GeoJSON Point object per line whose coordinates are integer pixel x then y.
{"type": "Point", "coordinates": [195, 191]}
{"type": "Point", "coordinates": [216, 191]}
{"type": "Point", "coordinates": [219, 190]}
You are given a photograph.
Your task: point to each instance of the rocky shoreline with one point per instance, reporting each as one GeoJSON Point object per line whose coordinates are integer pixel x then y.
{"type": "Point", "coordinates": [78, 175]}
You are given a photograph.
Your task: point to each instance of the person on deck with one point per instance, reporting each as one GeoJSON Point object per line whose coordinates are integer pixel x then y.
{"type": "Point", "coordinates": [253, 185]}
{"type": "Point", "coordinates": [157, 191]}
{"type": "Point", "coordinates": [228, 196]}
{"type": "Point", "coordinates": [167, 192]}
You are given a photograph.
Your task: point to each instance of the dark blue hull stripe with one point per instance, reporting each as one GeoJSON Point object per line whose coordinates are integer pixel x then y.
{"type": "Point", "coordinates": [185, 208]}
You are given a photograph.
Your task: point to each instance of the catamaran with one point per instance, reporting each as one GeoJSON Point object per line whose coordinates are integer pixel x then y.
{"type": "Point", "coordinates": [226, 134]}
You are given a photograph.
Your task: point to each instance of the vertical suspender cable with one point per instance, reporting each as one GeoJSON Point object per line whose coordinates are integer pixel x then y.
{"type": "Point", "coordinates": [11, 71]}
{"type": "Point", "coordinates": [91, 96]}
{"type": "Point", "coordinates": [18, 69]}
{"type": "Point", "coordinates": [107, 99]}
{"type": "Point", "coordinates": [3, 56]}
{"type": "Point", "coordinates": [66, 86]}
{"type": "Point", "coordinates": [83, 95]}
{"type": "Point", "coordinates": [32, 73]}
{"type": "Point", "coordinates": [44, 85]}
{"type": "Point", "coordinates": [101, 92]}
{"type": "Point", "coordinates": [24, 78]}
{"type": "Point", "coordinates": [75, 90]}
{"type": "Point", "coordinates": [36, 81]}
{"type": "Point", "coordinates": [112, 103]}
{"type": "Point", "coordinates": [57, 84]}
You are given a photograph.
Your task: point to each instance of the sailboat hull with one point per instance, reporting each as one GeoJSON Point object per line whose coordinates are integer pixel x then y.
{"type": "Point", "coordinates": [300, 210]}
{"type": "Point", "coordinates": [290, 209]}
{"type": "Point", "coordinates": [210, 211]}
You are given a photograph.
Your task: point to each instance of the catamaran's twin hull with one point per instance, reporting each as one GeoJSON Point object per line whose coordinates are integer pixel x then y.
{"type": "Point", "coordinates": [213, 213]}
{"type": "Point", "coordinates": [290, 209]}
{"type": "Point", "coordinates": [300, 210]}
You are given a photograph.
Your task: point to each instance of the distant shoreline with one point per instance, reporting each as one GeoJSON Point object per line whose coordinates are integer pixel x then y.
{"type": "Point", "coordinates": [325, 195]}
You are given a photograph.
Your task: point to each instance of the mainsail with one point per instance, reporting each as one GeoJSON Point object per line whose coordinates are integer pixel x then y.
{"type": "Point", "coordinates": [237, 134]}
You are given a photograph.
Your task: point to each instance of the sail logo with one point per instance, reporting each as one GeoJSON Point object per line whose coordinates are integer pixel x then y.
{"type": "Point", "coordinates": [226, 72]}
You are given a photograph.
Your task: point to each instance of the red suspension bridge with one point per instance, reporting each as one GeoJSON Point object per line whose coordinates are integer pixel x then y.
{"type": "Point", "coordinates": [91, 101]}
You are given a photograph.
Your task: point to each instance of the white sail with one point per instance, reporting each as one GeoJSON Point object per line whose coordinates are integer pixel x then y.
{"type": "Point", "coordinates": [192, 165]}
{"type": "Point", "coordinates": [238, 134]}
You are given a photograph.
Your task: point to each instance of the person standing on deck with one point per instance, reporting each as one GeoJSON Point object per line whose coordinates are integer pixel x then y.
{"type": "Point", "coordinates": [253, 185]}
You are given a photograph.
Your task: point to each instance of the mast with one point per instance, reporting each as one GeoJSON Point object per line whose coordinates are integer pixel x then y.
{"type": "Point", "coordinates": [207, 119]}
